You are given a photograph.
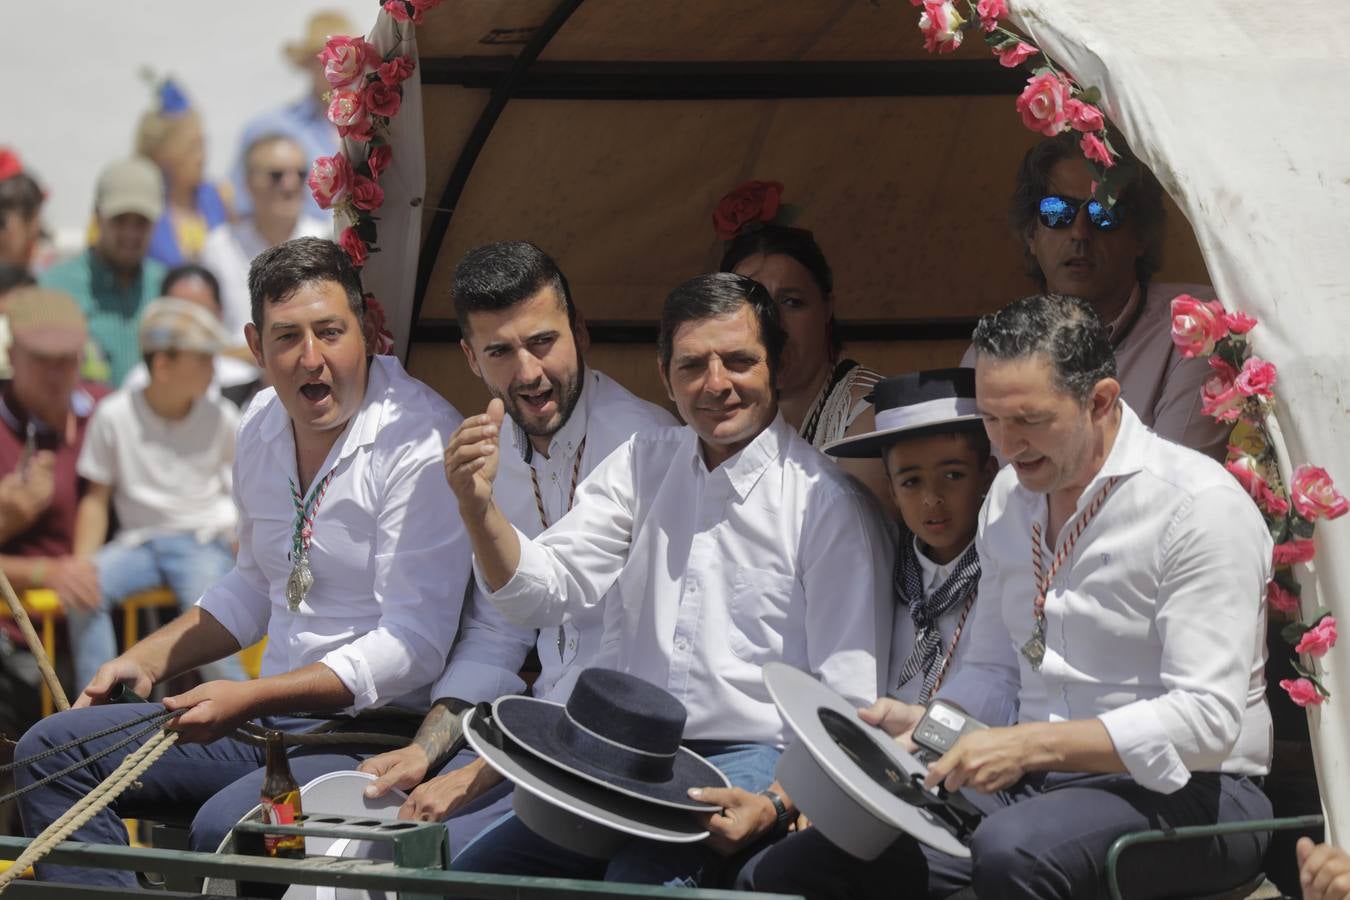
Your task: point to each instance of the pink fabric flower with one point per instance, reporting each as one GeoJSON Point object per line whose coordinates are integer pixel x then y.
{"type": "Point", "coordinates": [1315, 495]}
{"type": "Point", "coordinates": [1084, 116]}
{"type": "Point", "coordinates": [990, 11]}
{"type": "Point", "coordinates": [366, 193]}
{"type": "Point", "coordinates": [941, 26]}
{"type": "Point", "coordinates": [1219, 397]}
{"type": "Point", "coordinates": [1293, 552]}
{"type": "Point", "coordinates": [1239, 323]}
{"type": "Point", "coordinates": [1320, 638]}
{"type": "Point", "coordinates": [398, 10]}
{"type": "Point", "coordinates": [346, 59]}
{"type": "Point", "coordinates": [1302, 691]}
{"type": "Point", "coordinates": [1013, 54]}
{"type": "Point", "coordinates": [1095, 149]}
{"type": "Point", "coordinates": [421, 8]}
{"type": "Point", "coordinates": [1042, 104]}
{"type": "Point", "coordinates": [382, 100]}
{"type": "Point", "coordinates": [1252, 476]}
{"type": "Point", "coordinates": [329, 179]}
{"type": "Point", "coordinates": [355, 248]}
{"type": "Point", "coordinates": [347, 109]}
{"type": "Point", "coordinates": [378, 336]}
{"type": "Point", "coordinates": [378, 159]}
{"type": "Point", "coordinates": [1280, 599]}
{"type": "Point", "coordinates": [397, 70]}
{"type": "Point", "coordinates": [1197, 325]}
{"type": "Point", "coordinates": [1257, 378]}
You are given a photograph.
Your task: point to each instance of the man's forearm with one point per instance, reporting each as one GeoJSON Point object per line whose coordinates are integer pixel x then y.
{"type": "Point", "coordinates": [312, 688]}
{"type": "Point", "coordinates": [496, 546]}
{"type": "Point", "coordinates": [1080, 745]}
{"type": "Point", "coordinates": [191, 640]}
{"type": "Point", "coordinates": [441, 730]}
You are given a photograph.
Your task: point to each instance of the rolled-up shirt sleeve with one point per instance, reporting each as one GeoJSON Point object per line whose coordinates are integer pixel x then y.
{"type": "Point", "coordinates": [1210, 615]}
{"type": "Point", "coordinates": [571, 565]}
{"type": "Point", "coordinates": [487, 656]}
{"type": "Point", "coordinates": [422, 565]}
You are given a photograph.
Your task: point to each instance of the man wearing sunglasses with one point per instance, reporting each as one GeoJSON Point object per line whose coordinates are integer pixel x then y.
{"type": "Point", "coordinates": [1075, 246]}
{"type": "Point", "coordinates": [275, 173]}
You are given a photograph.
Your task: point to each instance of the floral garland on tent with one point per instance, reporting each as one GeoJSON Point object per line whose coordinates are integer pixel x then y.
{"type": "Point", "coordinates": [1242, 391]}
{"type": "Point", "coordinates": [367, 94]}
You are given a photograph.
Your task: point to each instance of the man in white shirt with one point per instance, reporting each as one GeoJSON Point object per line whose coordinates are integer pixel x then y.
{"type": "Point", "coordinates": [351, 561]}
{"type": "Point", "coordinates": [275, 169]}
{"type": "Point", "coordinates": [1121, 624]}
{"type": "Point", "coordinates": [722, 546]}
{"type": "Point", "coordinates": [523, 337]}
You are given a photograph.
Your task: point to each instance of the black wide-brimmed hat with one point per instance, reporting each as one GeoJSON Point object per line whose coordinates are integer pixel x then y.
{"type": "Point", "coordinates": [911, 405]}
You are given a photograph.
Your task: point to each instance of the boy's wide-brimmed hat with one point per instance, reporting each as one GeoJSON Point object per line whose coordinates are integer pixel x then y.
{"type": "Point", "coordinates": [604, 768]}
{"type": "Point", "coordinates": [852, 780]}
{"type": "Point", "coordinates": [911, 405]}
{"type": "Point", "coordinates": [173, 324]}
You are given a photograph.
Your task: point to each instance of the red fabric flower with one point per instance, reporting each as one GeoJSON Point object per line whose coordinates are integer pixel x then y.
{"type": "Point", "coordinates": [1280, 599]}
{"type": "Point", "coordinates": [1292, 552]}
{"type": "Point", "coordinates": [366, 193]}
{"type": "Point", "coordinates": [398, 10]}
{"type": "Point", "coordinates": [383, 100]}
{"type": "Point", "coordinates": [379, 159]}
{"type": "Point", "coordinates": [9, 164]}
{"type": "Point", "coordinates": [754, 201]}
{"type": "Point", "coordinates": [397, 70]}
{"type": "Point", "coordinates": [378, 336]}
{"type": "Point", "coordinates": [355, 248]}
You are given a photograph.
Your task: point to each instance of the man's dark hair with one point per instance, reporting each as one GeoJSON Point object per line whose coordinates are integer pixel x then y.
{"type": "Point", "coordinates": [278, 272]}
{"type": "Point", "coordinates": [1066, 330]}
{"type": "Point", "coordinates": [795, 243]}
{"type": "Point", "coordinates": [185, 271]}
{"type": "Point", "coordinates": [495, 277]}
{"type": "Point", "coordinates": [714, 296]}
{"type": "Point", "coordinates": [20, 194]}
{"type": "Point", "coordinates": [1140, 201]}
{"type": "Point", "coordinates": [12, 277]}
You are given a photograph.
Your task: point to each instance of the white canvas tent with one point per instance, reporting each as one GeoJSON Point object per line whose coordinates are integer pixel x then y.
{"type": "Point", "coordinates": [606, 131]}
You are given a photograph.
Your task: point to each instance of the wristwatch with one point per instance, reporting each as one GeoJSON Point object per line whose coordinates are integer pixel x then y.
{"type": "Point", "coordinates": [784, 820]}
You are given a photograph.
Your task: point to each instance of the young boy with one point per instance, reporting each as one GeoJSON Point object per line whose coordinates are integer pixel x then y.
{"type": "Point", "coordinates": [162, 455]}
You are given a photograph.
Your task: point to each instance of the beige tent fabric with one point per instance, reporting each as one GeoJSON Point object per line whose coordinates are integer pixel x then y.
{"type": "Point", "coordinates": [1243, 110]}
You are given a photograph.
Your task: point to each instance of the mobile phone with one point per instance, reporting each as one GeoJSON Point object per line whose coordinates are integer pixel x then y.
{"type": "Point", "coordinates": [942, 724]}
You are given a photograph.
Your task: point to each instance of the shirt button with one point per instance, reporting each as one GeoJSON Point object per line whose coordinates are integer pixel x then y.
{"type": "Point", "coordinates": [681, 644]}
{"type": "Point", "coordinates": [693, 585]}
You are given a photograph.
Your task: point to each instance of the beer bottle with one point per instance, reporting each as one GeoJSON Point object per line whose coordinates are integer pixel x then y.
{"type": "Point", "coordinates": [280, 800]}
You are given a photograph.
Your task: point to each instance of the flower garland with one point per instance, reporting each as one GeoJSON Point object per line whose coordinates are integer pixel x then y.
{"type": "Point", "coordinates": [1242, 391]}
{"type": "Point", "coordinates": [1052, 101]}
{"type": "Point", "coordinates": [367, 94]}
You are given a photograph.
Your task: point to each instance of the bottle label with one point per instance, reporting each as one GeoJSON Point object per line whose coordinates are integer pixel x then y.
{"type": "Point", "coordinates": [282, 811]}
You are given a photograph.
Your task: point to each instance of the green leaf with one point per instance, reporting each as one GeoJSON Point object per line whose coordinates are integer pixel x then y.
{"type": "Point", "coordinates": [1319, 614]}
{"type": "Point", "coordinates": [1285, 579]}
{"type": "Point", "coordinates": [1301, 527]}
{"type": "Point", "coordinates": [1298, 667]}
{"type": "Point", "coordinates": [1293, 632]}
{"type": "Point", "coordinates": [1279, 530]}
{"type": "Point", "coordinates": [1091, 94]}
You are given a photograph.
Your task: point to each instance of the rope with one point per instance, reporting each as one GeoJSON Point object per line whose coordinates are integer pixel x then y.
{"type": "Point", "coordinates": [107, 791]}
{"type": "Point", "coordinates": [158, 716]}
{"type": "Point", "coordinates": [34, 643]}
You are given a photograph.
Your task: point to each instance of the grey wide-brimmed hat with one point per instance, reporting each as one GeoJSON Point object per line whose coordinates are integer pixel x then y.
{"type": "Point", "coordinates": [600, 770]}
{"type": "Point", "coordinates": [912, 405]}
{"type": "Point", "coordinates": [852, 780]}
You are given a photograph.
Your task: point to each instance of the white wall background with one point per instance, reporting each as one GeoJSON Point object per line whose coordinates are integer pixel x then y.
{"type": "Point", "coordinates": [71, 75]}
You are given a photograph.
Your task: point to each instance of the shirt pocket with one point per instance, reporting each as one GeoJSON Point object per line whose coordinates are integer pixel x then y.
{"type": "Point", "coordinates": [760, 601]}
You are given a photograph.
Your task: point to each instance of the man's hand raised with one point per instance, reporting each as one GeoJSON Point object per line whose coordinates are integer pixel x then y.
{"type": "Point", "coordinates": [472, 455]}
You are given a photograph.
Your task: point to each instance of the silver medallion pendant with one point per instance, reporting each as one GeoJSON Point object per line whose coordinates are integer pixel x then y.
{"type": "Point", "coordinates": [300, 581]}
{"type": "Point", "coordinates": [1034, 648]}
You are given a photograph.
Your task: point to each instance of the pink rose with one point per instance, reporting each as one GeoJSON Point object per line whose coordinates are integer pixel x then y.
{"type": "Point", "coordinates": [1239, 323]}
{"type": "Point", "coordinates": [1257, 378]}
{"type": "Point", "coordinates": [396, 71]}
{"type": "Point", "coordinates": [1280, 599]}
{"type": "Point", "coordinates": [1315, 496]}
{"type": "Point", "coordinates": [347, 109]}
{"type": "Point", "coordinates": [1219, 397]}
{"type": "Point", "coordinates": [1320, 638]}
{"type": "Point", "coordinates": [366, 193]}
{"type": "Point", "coordinates": [329, 179]}
{"type": "Point", "coordinates": [383, 100]}
{"type": "Point", "coordinates": [421, 8]}
{"type": "Point", "coordinates": [345, 59]}
{"type": "Point", "coordinates": [1252, 476]}
{"type": "Point", "coordinates": [990, 11]}
{"type": "Point", "coordinates": [1302, 691]}
{"type": "Point", "coordinates": [1014, 53]}
{"type": "Point", "coordinates": [1084, 116]}
{"type": "Point", "coordinates": [378, 336]}
{"type": "Point", "coordinates": [398, 10]}
{"type": "Point", "coordinates": [1095, 149]}
{"type": "Point", "coordinates": [1042, 104]}
{"type": "Point", "coordinates": [378, 159]}
{"type": "Point", "coordinates": [1293, 552]}
{"type": "Point", "coordinates": [355, 248]}
{"type": "Point", "coordinates": [1196, 325]}
{"type": "Point", "coordinates": [941, 26]}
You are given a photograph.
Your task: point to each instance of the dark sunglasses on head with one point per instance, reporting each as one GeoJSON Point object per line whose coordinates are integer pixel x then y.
{"type": "Point", "coordinates": [1058, 212]}
{"type": "Point", "coordinates": [276, 176]}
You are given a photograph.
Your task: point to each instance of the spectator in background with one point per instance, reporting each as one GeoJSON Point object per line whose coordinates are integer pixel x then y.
{"type": "Point", "coordinates": [44, 413]}
{"type": "Point", "coordinates": [171, 137]}
{"type": "Point", "coordinates": [161, 457]}
{"type": "Point", "coordinates": [235, 379]}
{"type": "Point", "coordinates": [276, 168]}
{"type": "Point", "coordinates": [305, 120]}
{"type": "Point", "coordinates": [113, 280]}
{"type": "Point", "coordinates": [20, 205]}
{"type": "Point", "coordinates": [11, 279]}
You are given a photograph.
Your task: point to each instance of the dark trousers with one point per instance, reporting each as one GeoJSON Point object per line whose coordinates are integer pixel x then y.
{"type": "Point", "coordinates": [1047, 838]}
{"type": "Point", "coordinates": [223, 778]}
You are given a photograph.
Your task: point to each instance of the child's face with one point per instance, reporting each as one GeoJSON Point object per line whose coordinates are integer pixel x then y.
{"type": "Point", "coordinates": [938, 482]}
{"type": "Point", "coordinates": [188, 371]}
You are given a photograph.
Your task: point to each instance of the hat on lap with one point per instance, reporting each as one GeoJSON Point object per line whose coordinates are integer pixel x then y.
{"type": "Point", "coordinates": [605, 767]}
{"type": "Point", "coordinates": [912, 405]}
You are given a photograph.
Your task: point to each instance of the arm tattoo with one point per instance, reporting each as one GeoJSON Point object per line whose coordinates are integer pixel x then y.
{"type": "Point", "coordinates": [441, 731]}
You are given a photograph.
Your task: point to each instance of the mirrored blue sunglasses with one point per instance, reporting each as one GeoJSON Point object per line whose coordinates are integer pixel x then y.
{"type": "Point", "coordinates": [1058, 212]}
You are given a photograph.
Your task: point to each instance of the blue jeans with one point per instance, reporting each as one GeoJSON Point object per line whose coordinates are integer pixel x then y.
{"type": "Point", "coordinates": [216, 783]}
{"type": "Point", "coordinates": [510, 848]}
{"type": "Point", "coordinates": [180, 561]}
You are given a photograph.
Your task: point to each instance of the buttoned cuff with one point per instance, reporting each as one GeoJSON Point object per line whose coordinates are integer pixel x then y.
{"type": "Point", "coordinates": [520, 599]}
{"type": "Point", "coordinates": [354, 673]}
{"type": "Point", "coordinates": [475, 682]}
{"type": "Point", "coordinates": [1142, 743]}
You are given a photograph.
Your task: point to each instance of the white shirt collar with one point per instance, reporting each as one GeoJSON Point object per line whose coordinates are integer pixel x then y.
{"type": "Point", "coordinates": [934, 574]}
{"type": "Point", "coordinates": [745, 467]}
